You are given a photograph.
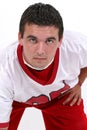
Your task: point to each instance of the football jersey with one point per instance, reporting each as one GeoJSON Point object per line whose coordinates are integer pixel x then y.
{"type": "Point", "coordinates": [19, 85]}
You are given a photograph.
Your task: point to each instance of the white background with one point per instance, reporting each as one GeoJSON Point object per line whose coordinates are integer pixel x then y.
{"type": "Point", "coordinates": [74, 17]}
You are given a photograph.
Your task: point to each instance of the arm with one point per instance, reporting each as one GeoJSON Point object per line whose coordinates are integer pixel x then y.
{"type": "Point", "coordinates": [75, 93]}
{"type": "Point", "coordinates": [83, 75]}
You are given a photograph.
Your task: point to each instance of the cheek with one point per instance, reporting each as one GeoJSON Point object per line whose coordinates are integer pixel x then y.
{"type": "Point", "coordinates": [53, 50]}
{"type": "Point", "coordinates": [52, 53]}
{"type": "Point", "coordinates": [25, 51]}
{"type": "Point", "coordinates": [29, 52]}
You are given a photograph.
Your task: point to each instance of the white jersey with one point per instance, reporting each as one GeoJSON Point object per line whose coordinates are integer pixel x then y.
{"type": "Point", "coordinates": [16, 85]}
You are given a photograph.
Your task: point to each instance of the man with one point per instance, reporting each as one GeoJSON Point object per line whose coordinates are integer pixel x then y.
{"type": "Point", "coordinates": [45, 70]}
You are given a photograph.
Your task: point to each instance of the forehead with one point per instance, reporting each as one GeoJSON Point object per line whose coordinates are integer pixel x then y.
{"type": "Point", "coordinates": [40, 30]}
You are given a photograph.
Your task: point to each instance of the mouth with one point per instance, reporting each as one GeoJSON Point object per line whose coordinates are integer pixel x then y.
{"type": "Point", "coordinates": [40, 59]}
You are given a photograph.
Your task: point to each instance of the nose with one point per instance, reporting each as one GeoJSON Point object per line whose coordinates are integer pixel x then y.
{"type": "Point", "coordinates": [41, 48]}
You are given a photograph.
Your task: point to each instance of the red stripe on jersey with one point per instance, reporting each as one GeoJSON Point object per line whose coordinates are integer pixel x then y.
{"type": "Point", "coordinates": [4, 125]}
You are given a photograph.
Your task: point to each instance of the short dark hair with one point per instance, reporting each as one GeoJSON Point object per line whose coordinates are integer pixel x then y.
{"type": "Point", "coordinates": [42, 15]}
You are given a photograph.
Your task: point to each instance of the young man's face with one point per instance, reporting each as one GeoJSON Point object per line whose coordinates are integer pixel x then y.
{"type": "Point", "coordinates": [39, 44]}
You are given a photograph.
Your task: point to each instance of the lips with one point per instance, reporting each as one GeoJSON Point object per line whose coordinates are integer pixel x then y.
{"type": "Point", "coordinates": [40, 58]}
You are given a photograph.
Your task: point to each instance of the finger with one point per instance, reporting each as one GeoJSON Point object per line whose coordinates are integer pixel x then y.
{"type": "Point", "coordinates": [73, 101]}
{"type": "Point", "coordinates": [79, 101]}
{"type": "Point", "coordinates": [68, 99]}
{"type": "Point", "coordinates": [76, 99]}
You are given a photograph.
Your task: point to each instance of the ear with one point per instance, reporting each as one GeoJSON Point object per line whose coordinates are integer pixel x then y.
{"type": "Point", "coordinates": [19, 38]}
{"type": "Point", "coordinates": [60, 42]}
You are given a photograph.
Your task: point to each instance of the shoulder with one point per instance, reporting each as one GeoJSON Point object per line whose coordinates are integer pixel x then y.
{"type": "Point", "coordinates": [75, 37]}
{"type": "Point", "coordinates": [74, 41]}
{"type": "Point", "coordinates": [8, 53]}
{"type": "Point", "coordinates": [74, 49]}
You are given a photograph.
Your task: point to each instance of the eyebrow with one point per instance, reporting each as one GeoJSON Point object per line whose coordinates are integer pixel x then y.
{"type": "Point", "coordinates": [31, 36]}
{"type": "Point", "coordinates": [53, 38]}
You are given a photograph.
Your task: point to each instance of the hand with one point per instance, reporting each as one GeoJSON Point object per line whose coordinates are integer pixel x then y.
{"type": "Point", "coordinates": [74, 95]}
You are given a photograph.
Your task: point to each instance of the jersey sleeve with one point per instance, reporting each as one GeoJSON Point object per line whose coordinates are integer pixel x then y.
{"type": "Point", "coordinates": [73, 56]}
{"type": "Point", "coordinates": [6, 97]}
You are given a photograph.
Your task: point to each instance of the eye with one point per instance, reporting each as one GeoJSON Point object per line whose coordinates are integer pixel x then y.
{"type": "Point", "coordinates": [32, 40]}
{"type": "Point", "coordinates": [50, 41]}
